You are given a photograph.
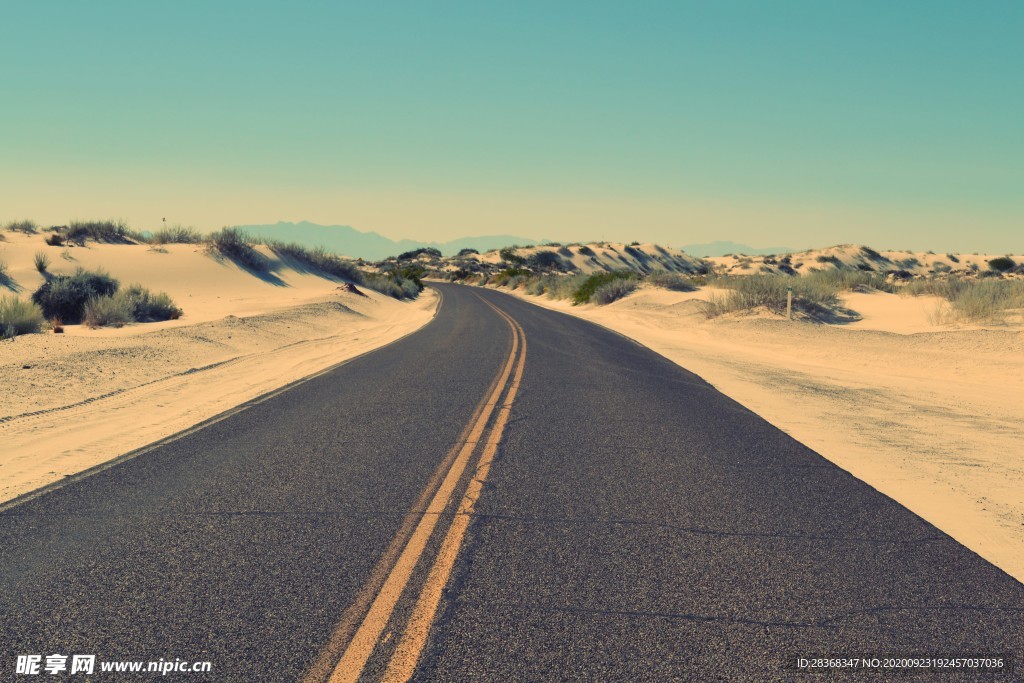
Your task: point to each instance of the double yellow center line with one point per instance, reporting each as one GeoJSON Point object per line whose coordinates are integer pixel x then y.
{"type": "Point", "coordinates": [390, 578]}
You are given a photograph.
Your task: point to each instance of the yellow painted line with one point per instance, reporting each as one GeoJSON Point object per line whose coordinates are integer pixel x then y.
{"type": "Point", "coordinates": [362, 644]}
{"type": "Point", "coordinates": [350, 619]}
{"type": "Point", "coordinates": [414, 639]}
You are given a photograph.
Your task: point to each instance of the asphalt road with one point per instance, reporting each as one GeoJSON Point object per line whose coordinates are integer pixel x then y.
{"type": "Point", "coordinates": [635, 525]}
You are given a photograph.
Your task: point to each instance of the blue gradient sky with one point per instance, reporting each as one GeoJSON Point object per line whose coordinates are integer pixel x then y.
{"type": "Point", "coordinates": [898, 124]}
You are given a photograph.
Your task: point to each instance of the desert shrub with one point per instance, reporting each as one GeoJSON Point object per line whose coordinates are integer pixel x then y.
{"type": "Point", "coordinates": [941, 267]}
{"type": "Point", "coordinates": [545, 260]}
{"type": "Point", "coordinates": [586, 251]}
{"type": "Point", "coordinates": [317, 258]}
{"type": "Point", "coordinates": [27, 227]}
{"type": "Point", "coordinates": [612, 291]}
{"type": "Point", "coordinates": [1002, 264]}
{"type": "Point", "coordinates": [3, 237]}
{"type": "Point", "coordinates": [842, 280]}
{"type": "Point", "coordinates": [811, 295]}
{"type": "Point", "coordinates": [149, 307]}
{"type": "Point", "coordinates": [115, 232]}
{"type": "Point", "coordinates": [973, 300]}
{"type": "Point", "coordinates": [176, 234]}
{"type": "Point", "coordinates": [102, 311]}
{"type": "Point", "coordinates": [672, 281]}
{"type": "Point", "coordinates": [428, 251]}
{"type": "Point", "coordinates": [872, 254]}
{"type": "Point", "coordinates": [5, 277]}
{"type": "Point", "coordinates": [953, 258]}
{"type": "Point", "coordinates": [235, 245]}
{"type": "Point", "coordinates": [65, 296]}
{"type": "Point", "coordinates": [828, 258]}
{"type": "Point", "coordinates": [467, 251]}
{"type": "Point", "coordinates": [392, 284]}
{"type": "Point", "coordinates": [908, 262]}
{"type": "Point", "coordinates": [590, 285]}
{"type": "Point", "coordinates": [55, 240]}
{"type": "Point", "coordinates": [18, 316]}
{"type": "Point", "coordinates": [42, 261]}
{"type": "Point", "coordinates": [509, 255]}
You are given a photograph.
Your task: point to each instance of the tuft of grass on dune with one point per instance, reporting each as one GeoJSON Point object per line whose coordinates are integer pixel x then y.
{"type": "Point", "coordinates": [237, 246]}
{"type": "Point", "coordinates": [317, 258]}
{"type": "Point", "coordinates": [27, 227]}
{"type": "Point", "coordinates": [972, 301]}
{"type": "Point", "coordinates": [134, 303]}
{"type": "Point", "coordinates": [671, 281]}
{"type": "Point", "coordinates": [110, 232]}
{"type": "Point", "coordinates": [176, 234]}
{"type": "Point", "coordinates": [41, 261]}
{"type": "Point", "coordinates": [18, 316]}
{"type": "Point", "coordinates": [592, 283]}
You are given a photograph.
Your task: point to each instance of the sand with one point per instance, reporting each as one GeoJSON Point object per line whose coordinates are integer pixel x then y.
{"type": "Point", "coordinates": [931, 416]}
{"type": "Point", "coordinates": [74, 401]}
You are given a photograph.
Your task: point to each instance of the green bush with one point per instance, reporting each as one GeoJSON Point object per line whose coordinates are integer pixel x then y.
{"type": "Point", "coordinates": [1002, 264]}
{"type": "Point", "coordinates": [612, 291]}
{"type": "Point", "coordinates": [593, 282]}
{"type": "Point", "coordinates": [19, 317]}
{"type": "Point", "coordinates": [65, 296]}
{"type": "Point", "coordinates": [467, 252]}
{"type": "Point", "coordinates": [235, 245]}
{"type": "Point", "coordinates": [586, 251]}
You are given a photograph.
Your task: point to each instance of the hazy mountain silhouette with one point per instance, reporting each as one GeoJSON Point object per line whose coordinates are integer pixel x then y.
{"type": "Point", "coordinates": [722, 248]}
{"type": "Point", "coordinates": [370, 245]}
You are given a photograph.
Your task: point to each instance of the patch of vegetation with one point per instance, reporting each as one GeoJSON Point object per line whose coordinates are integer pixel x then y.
{"type": "Point", "coordinates": [872, 254]}
{"type": "Point", "coordinates": [42, 261]}
{"type": "Point", "coordinates": [27, 227]}
{"type": "Point", "coordinates": [176, 234]}
{"type": "Point", "coordinates": [545, 260]}
{"type": "Point", "coordinates": [111, 232]}
{"type": "Point", "coordinates": [828, 258]}
{"type": "Point", "coordinates": [235, 245]}
{"type": "Point", "coordinates": [953, 258]}
{"type": "Point", "coordinates": [18, 316]}
{"type": "Point", "coordinates": [612, 291]}
{"type": "Point", "coordinates": [1002, 264]}
{"type": "Point", "coordinates": [409, 255]}
{"type": "Point", "coordinates": [586, 251]}
{"type": "Point", "coordinates": [593, 282]}
{"type": "Point", "coordinates": [467, 252]}
{"type": "Point", "coordinates": [318, 259]}
{"type": "Point", "coordinates": [134, 303]}
{"type": "Point", "coordinates": [509, 255]}
{"type": "Point", "coordinates": [65, 296]}
{"type": "Point", "coordinates": [671, 281]}
{"type": "Point", "coordinates": [55, 240]}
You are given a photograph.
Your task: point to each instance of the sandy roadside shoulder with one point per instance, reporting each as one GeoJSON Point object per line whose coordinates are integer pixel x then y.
{"type": "Point", "coordinates": [933, 419]}
{"type": "Point", "coordinates": [74, 402]}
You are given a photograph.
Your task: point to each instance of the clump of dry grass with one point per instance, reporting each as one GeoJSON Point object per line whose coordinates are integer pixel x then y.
{"type": "Point", "coordinates": [42, 261]}
{"type": "Point", "coordinates": [971, 301]}
{"type": "Point", "coordinates": [18, 316]}
{"type": "Point", "coordinates": [134, 303]}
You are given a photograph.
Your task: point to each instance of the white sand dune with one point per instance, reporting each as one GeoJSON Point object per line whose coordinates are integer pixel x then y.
{"type": "Point", "coordinates": [931, 416]}
{"type": "Point", "coordinates": [78, 400]}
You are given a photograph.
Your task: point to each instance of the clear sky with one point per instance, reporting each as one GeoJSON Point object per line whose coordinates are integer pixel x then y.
{"type": "Point", "coordinates": [897, 124]}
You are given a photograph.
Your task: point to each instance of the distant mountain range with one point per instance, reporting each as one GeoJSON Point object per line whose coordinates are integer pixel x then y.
{"type": "Point", "coordinates": [723, 248]}
{"type": "Point", "coordinates": [370, 245]}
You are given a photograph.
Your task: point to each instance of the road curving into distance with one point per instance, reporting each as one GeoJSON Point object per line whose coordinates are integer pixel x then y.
{"type": "Point", "coordinates": [507, 494]}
